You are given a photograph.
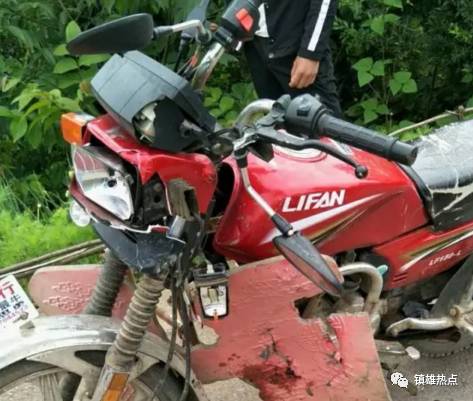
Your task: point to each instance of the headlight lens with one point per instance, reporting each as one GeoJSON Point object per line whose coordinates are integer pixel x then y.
{"type": "Point", "coordinates": [144, 122]}
{"type": "Point", "coordinates": [103, 179]}
{"type": "Point", "coordinates": [78, 215]}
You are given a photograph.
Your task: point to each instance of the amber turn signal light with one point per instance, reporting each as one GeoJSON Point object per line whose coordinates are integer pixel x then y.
{"type": "Point", "coordinates": [72, 127]}
{"type": "Point", "coordinates": [116, 387]}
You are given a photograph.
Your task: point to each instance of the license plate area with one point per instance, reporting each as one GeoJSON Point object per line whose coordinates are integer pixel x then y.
{"type": "Point", "coordinates": [16, 307]}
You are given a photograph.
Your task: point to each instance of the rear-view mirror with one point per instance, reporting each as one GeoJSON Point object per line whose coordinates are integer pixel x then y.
{"type": "Point", "coordinates": [198, 13]}
{"type": "Point", "coordinates": [125, 34]}
{"type": "Point", "coordinates": [300, 252]}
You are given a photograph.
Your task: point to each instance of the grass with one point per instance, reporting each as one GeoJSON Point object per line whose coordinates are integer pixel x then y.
{"type": "Point", "coordinates": [24, 236]}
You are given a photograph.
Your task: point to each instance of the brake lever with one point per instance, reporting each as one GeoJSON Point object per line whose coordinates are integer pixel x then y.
{"type": "Point", "coordinates": [286, 140]}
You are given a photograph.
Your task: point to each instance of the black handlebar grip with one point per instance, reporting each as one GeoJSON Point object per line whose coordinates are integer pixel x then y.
{"type": "Point", "coordinates": [366, 139]}
{"type": "Point", "coordinates": [306, 115]}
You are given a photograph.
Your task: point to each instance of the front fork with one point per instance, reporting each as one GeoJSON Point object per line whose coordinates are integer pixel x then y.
{"type": "Point", "coordinates": [121, 356]}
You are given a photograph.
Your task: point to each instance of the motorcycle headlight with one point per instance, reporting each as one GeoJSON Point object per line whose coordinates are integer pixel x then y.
{"type": "Point", "coordinates": [144, 122]}
{"type": "Point", "coordinates": [103, 179]}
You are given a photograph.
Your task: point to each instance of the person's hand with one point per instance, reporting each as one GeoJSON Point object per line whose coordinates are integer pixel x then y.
{"type": "Point", "coordinates": [304, 72]}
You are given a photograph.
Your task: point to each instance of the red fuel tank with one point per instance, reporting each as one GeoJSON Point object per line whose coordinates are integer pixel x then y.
{"type": "Point", "coordinates": [321, 197]}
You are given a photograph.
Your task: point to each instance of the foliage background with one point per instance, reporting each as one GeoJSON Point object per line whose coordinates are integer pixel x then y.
{"type": "Point", "coordinates": [396, 61]}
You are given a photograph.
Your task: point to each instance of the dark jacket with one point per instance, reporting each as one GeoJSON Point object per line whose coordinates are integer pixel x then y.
{"type": "Point", "coordinates": [299, 27]}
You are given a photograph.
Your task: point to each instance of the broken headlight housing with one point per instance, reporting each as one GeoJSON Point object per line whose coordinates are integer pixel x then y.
{"type": "Point", "coordinates": [103, 179]}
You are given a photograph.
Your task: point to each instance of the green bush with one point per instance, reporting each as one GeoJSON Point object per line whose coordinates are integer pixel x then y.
{"type": "Point", "coordinates": [39, 81]}
{"type": "Point", "coordinates": [402, 61]}
{"type": "Point", "coordinates": [23, 236]}
{"type": "Point", "coordinates": [397, 61]}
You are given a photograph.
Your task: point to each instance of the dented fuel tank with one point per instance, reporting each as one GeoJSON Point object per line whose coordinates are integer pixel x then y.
{"type": "Point", "coordinates": [321, 197]}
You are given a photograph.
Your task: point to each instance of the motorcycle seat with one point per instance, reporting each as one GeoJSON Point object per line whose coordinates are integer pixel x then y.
{"type": "Point", "coordinates": [443, 173]}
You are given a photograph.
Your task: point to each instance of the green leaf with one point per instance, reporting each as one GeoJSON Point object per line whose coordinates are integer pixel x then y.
{"type": "Point", "coordinates": [217, 113]}
{"type": "Point", "coordinates": [214, 95]}
{"type": "Point", "coordinates": [25, 97]}
{"type": "Point", "coordinates": [60, 50]}
{"type": "Point", "coordinates": [226, 103]}
{"type": "Point", "coordinates": [55, 94]}
{"type": "Point", "coordinates": [68, 104]}
{"type": "Point", "coordinates": [68, 79]}
{"type": "Point", "coordinates": [10, 84]}
{"type": "Point", "coordinates": [65, 65]}
{"type": "Point", "coordinates": [4, 112]}
{"type": "Point", "coordinates": [470, 102]}
{"type": "Point", "coordinates": [72, 30]}
{"type": "Point", "coordinates": [364, 65]}
{"type": "Point", "coordinates": [34, 138]}
{"type": "Point", "coordinates": [382, 109]}
{"type": "Point", "coordinates": [88, 60]}
{"type": "Point", "coordinates": [230, 117]}
{"type": "Point", "coordinates": [395, 86]}
{"type": "Point", "coordinates": [364, 78]}
{"type": "Point", "coordinates": [370, 104]}
{"type": "Point", "coordinates": [18, 128]}
{"type": "Point", "coordinates": [405, 123]}
{"type": "Point", "coordinates": [37, 106]}
{"type": "Point", "coordinates": [369, 116]}
{"type": "Point", "coordinates": [391, 18]}
{"type": "Point", "coordinates": [377, 25]}
{"type": "Point", "coordinates": [209, 102]}
{"type": "Point", "coordinates": [22, 35]}
{"type": "Point", "coordinates": [402, 76]}
{"type": "Point", "coordinates": [393, 3]}
{"type": "Point", "coordinates": [378, 69]}
{"type": "Point", "coordinates": [409, 136]}
{"type": "Point", "coordinates": [410, 87]}
{"type": "Point", "coordinates": [467, 78]}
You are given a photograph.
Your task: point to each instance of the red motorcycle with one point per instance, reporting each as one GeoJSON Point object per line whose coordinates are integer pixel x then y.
{"type": "Point", "coordinates": [204, 211]}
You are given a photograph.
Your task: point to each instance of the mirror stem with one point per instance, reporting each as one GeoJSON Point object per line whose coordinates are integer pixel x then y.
{"type": "Point", "coordinates": [280, 222]}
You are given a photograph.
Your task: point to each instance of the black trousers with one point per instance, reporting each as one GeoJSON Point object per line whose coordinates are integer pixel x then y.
{"type": "Point", "coordinates": [271, 76]}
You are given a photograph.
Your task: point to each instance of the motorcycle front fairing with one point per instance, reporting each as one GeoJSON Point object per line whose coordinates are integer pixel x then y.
{"type": "Point", "coordinates": [145, 247]}
{"type": "Point", "coordinates": [195, 169]}
{"type": "Point", "coordinates": [127, 84]}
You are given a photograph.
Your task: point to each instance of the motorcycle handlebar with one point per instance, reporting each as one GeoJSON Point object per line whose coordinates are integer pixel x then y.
{"type": "Point", "coordinates": [305, 114]}
{"type": "Point", "coordinates": [366, 139]}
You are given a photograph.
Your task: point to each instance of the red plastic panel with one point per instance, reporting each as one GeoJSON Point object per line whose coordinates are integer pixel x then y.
{"type": "Point", "coordinates": [65, 290]}
{"type": "Point", "coordinates": [425, 253]}
{"type": "Point", "coordinates": [265, 342]}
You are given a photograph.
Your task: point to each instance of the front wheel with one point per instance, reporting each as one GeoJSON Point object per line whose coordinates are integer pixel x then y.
{"type": "Point", "coordinates": [36, 381]}
{"type": "Point", "coordinates": [36, 360]}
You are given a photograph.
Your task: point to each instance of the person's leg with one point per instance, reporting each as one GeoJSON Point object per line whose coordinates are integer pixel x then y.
{"type": "Point", "coordinates": [324, 86]}
{"type": "Point", "coordinates": [266, 84]}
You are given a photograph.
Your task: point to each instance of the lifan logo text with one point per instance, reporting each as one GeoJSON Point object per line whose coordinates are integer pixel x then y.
{"type": "Point", "coordinates": [319, 200]}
